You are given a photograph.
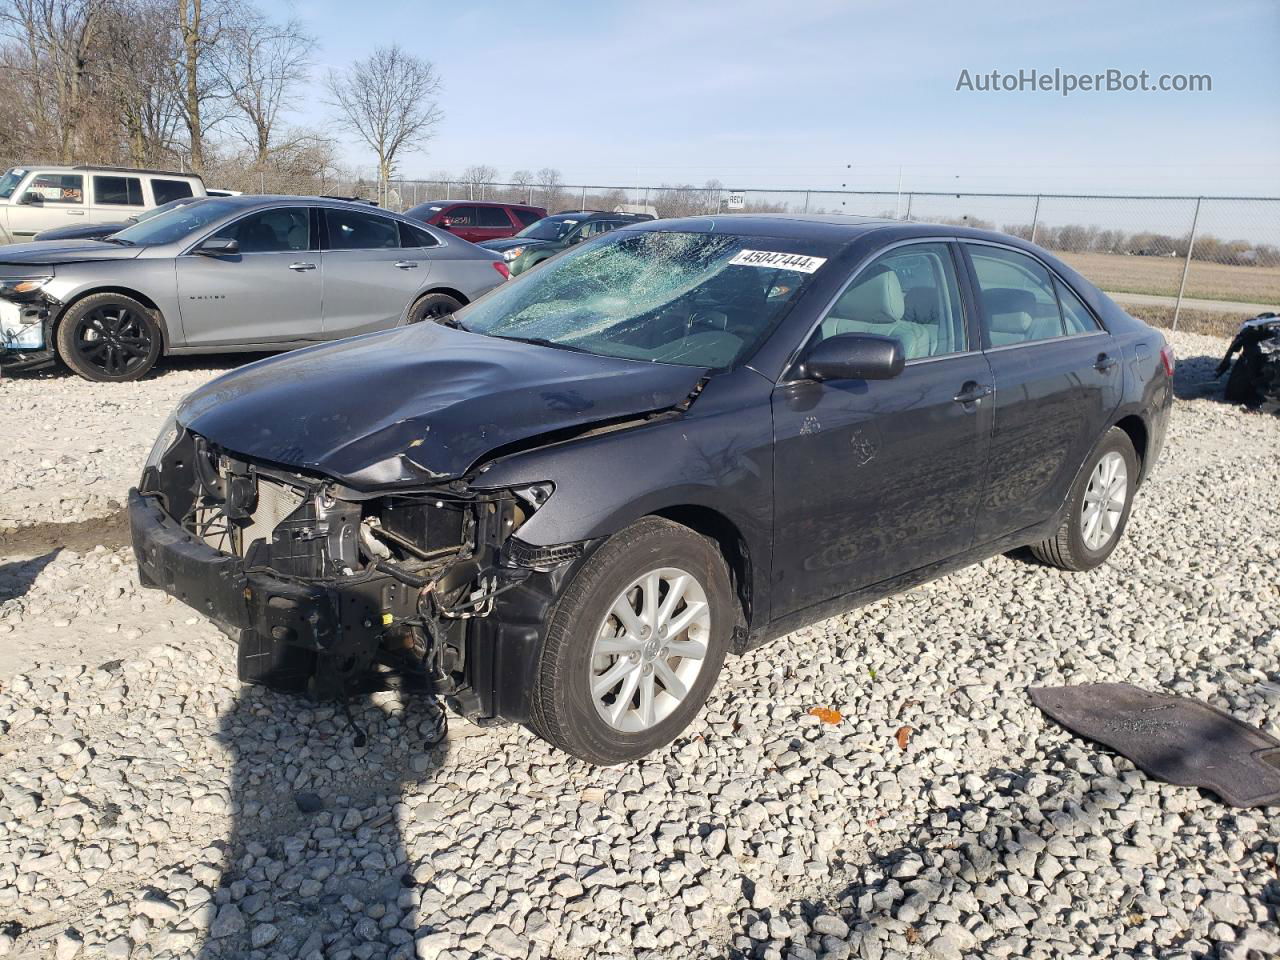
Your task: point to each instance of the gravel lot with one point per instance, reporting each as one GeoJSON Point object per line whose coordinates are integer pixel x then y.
{"type": "Point", "coordinates": [151, 808]}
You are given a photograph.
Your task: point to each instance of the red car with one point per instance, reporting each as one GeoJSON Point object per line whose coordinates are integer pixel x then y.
{"type": "Point", "coordinates": [476, 220]}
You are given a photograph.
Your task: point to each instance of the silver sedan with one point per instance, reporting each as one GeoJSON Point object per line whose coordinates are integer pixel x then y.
{"type": "Point", "coordinates": [230, 274]}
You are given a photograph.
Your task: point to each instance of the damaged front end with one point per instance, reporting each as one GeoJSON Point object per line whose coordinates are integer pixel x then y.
{"type": "Point", "coordinates": [321, 583]}
{"type": "Point", "coordinates": [25, 315]}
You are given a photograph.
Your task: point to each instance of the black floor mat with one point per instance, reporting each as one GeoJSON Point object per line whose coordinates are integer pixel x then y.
{"type": "Point", "coordinates": [1172, 738]}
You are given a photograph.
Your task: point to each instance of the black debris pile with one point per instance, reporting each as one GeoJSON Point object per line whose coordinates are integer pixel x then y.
{"type": "Point", "coordinates": [1255, 376]}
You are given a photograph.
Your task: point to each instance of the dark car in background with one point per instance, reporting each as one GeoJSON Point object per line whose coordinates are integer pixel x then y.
{"type": "Point", "coordinates": [567, 503]}
{"type": "Point", "coordinates": [544, 239]}
{"type": "Point", "coordinates": [96, 231]}
{"type": "Point", "coordinates": [477, 221]}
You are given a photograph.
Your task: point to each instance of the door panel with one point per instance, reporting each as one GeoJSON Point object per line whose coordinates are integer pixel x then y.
{"type": "Point", "coordinates": [59, 202]}
{"type": "Point", "coordinates": [875, 478]}
{"type": "Point", "coordinates": [271, 290]}
{"type": "Point", "coordinates": [369, 278]}
{"type": "Point", "coordinates": [1052, 402]}
{"type": "Point", "coordinates": [1057, 381]}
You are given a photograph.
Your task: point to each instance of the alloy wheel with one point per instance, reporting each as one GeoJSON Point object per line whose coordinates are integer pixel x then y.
{"type": "Point", "coordinates": [650, 649]}
{"type": "Point", "coordinates": [1104, 500]}
{"type": "Point", "coordinates": [114, 339]}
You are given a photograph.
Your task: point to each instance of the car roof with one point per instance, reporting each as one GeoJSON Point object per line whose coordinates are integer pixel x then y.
{"type": "Point", "coordinates": [791, 226]}
{"type": "Point", "coordinates": [473, 203]}
{"type": "Point", "coordinates": [95, 168]}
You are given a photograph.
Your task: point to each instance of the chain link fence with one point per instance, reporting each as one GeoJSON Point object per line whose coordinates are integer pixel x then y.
{"type": "Point", "coordinates": [1204, 262]}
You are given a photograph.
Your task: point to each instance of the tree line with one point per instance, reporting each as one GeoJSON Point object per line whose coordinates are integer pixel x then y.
{"type": "Point", "coordinates": [202, 85]}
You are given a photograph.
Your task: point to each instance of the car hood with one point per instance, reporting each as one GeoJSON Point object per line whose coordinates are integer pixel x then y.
{"type": "Point", "coordinates": [64, 251]}
{"type": "Point", "coordinates": [419, 404]}
{"type": "Point", "coordinates": [506, 243]}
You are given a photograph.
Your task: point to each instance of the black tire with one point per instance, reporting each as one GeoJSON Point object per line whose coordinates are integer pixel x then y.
{"type": "Point", "coordinates": [109, 337]}
{"type": "Point", "coordinates": [563, 712]}
{"type": "Point", "coordinates": [432, 306]}
{"type": "Point", "coordinates": [1067, 548]}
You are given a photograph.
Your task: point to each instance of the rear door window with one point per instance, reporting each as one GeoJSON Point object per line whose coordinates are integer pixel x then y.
{"type": "Point", "coordinates": [117, 191]}
{"type": "Point", "coordinates": [1019, 303]}
{"type": "Point", "coordinates": [165, 190]}
{"type": "Point", "coordinates": [357, 230]}
{"type": "Point", "coordinates": [525, 217]}
{"type": "Point", "coordinates": [493, 217]}
{"type": "Point", "coordinates": [411, 236]}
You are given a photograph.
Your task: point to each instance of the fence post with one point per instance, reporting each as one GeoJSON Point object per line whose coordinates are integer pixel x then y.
{"type": "Point", "coordinates": [529, 197]}
{"type": "Point", "coordinates": [806, 201]}
{"type": "Point", "coordinates": [584, 198]}
{"type": "Point", "coordinates": [448, 189]}
{"type": "Point", "coordinates": [1186, 264]}
{"type": "Point", "coordinates": [1035, 218]}
{"type": "Point", "coordinates": [910, 196]}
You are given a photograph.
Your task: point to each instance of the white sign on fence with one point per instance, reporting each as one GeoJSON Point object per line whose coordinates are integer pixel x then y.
{"type": "Point", "coordinates": [736, 201]}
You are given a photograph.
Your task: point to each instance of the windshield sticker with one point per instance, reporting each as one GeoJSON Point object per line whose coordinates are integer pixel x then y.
{"type": "Point", "coordinates": [778, 261]}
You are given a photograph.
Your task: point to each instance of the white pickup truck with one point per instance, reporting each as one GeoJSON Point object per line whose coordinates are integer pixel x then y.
{"type": "Point", "coordinates": [37, 198]}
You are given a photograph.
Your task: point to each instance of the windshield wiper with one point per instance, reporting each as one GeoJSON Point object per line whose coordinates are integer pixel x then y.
{"type": "Point", "coordinates": [449, 320]}
{"type": "Point", "coordinates": [542, 342]}
{"type": "Point", "coordinates": [120, 240]}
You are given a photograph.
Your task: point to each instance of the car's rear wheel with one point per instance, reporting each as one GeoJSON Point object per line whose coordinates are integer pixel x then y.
{"type": "Point", "coordinates": [432, 307]}
{"type": "Point", "coordinates": [109, 337]}
{"type": "Point", "coordinates": [635, 644]}
{"type": "Point", "coordinates": [1099, 507]}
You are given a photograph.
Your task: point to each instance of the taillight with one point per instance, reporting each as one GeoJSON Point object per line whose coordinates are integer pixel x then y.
{"type": "Point", "coordinates": [502, 268]}
{"type": "Point", "coordinates": [1167, 358]}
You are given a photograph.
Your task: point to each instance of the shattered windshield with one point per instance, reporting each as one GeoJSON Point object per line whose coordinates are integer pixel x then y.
{"type": "Point", "coordinates": [550, 228]}
{"type": "Point", "coordinates": [698, 299]}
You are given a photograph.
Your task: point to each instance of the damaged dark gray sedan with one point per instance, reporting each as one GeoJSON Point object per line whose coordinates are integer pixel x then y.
{"type": "Point", "coordinates": [567, 504]}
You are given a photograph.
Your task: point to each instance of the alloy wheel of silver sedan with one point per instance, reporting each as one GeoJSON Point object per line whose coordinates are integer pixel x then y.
{"type": "Point", "coordinates": [650, 649]}
{"type": "Point", "coordinates": [1104, 500]}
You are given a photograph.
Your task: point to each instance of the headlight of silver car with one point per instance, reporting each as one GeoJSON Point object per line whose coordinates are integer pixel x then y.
{"type": "Point", "coordinates": [169, 434]}
{"type": "Point", "coordinates": [512, 254]}
{"type": "Point", "coordinates": [22, 289]}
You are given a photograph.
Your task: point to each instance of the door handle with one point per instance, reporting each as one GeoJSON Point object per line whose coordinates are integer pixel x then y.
{"type": "Point", "coordinates": [1105, 363]}
{"type": "Point", "coordinates": [300, 267]}
{"type": "Point", "coordinates": [75, 213]}
{"type": "Point", "coordinates": [407, 264]}
{"type": "Point", "coordinates": [972, 392]}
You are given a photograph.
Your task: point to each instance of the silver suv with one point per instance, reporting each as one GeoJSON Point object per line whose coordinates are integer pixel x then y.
{"type": "Point", "coordinates": [227, 274]}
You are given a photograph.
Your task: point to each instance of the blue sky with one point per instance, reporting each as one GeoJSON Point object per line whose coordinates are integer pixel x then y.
{"type": "Point", "coordinates": [817, 94]}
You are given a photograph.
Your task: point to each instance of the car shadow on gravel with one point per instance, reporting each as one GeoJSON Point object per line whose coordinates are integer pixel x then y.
{"type": "Point", "coordinates": [17, 576]}
{"type": "Point", "coordinates": [316, 864]}
{"type": "Point", "coordinates": [1196, 378]}
{"type": "Point", "coordinates": [220, 362]}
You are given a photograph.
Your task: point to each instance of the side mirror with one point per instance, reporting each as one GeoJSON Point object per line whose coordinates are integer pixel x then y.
{"type": "Point", "coordinates": [578, 237]}
{"type": "Point", "coordinates": [219, 247]}
{"type": "Point", "coordinates": [854, 356]}
{"type": "Point", "coordinates": [33, 198]}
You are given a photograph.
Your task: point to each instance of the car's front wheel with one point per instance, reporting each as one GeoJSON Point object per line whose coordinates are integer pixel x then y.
{"type": "Point", "coordinates": [1099, 507]}
{"type": "Point", "coordinates": [635, 644]}
{"type": "Point", "coordinates": [109, 337]}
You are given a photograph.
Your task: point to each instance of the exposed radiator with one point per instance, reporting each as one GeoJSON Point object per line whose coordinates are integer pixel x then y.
{"type": "Point", "coordinates": [275, 502]}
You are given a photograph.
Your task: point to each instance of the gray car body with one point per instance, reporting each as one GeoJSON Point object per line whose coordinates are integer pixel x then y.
{"type": "Point", "coordinates": [257, 301]}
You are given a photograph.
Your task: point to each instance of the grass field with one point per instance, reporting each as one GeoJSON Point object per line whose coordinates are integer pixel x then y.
{"type": "Point", "coordinates": [1161, 275]}
{"type": "Point", "coordinates": [1190, 321]}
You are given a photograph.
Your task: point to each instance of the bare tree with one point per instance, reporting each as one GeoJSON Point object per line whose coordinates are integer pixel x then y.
{"type": "Point", "coordinates": [260, 64]}
{"type": "Point", "coordinates": [550, 192]}
{"type": "Point", "coordinates": [200, 29]}
{"type": "Point", "coordinates": [477, 178]}
{"type": "Point", "coordinates": [141, 39]}
{"type": "Point", "coordinates": [59, 37]}
{"type": "Point", "coordinates": [389, 100]}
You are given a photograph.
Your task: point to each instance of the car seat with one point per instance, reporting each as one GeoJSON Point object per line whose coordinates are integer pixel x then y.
{"type": "Point", "coordinates": [875, 305]}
